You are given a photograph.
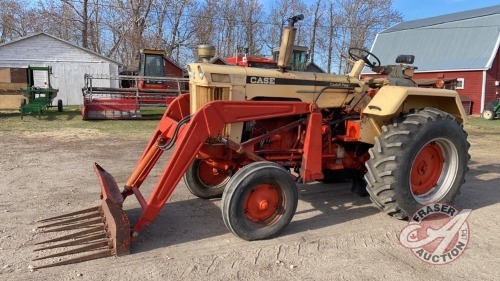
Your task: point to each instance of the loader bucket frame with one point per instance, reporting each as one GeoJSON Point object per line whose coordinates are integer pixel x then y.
{"type": "Point", "coordinates": [186, 135]}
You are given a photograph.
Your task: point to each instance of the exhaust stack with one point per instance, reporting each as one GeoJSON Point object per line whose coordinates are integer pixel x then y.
{"type": "Point", "coordinates": [287, 42]}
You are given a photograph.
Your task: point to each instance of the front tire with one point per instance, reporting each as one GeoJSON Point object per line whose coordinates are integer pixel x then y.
{"type": "Point", "coordinates": [488, 114]}
{"type": "Point", "coordinates": [419, 159]}
{"type": "Point", "coordinates": [259, 201]}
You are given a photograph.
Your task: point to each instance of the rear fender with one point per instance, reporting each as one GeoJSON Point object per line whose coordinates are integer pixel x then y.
{"type": "Point", "coordinates": [390, 101]}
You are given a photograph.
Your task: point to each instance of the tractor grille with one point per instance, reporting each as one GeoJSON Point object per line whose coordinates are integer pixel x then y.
{"type": "Point", "coordinates": [204, 95]}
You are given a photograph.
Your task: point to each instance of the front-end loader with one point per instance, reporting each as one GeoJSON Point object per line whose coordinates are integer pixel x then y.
{"type": "Point", "coordinates": [251, 134]}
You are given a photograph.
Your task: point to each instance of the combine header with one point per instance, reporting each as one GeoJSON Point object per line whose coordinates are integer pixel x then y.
{"type": "Point", "coordinates": [150, 88]}
{"type": "Point", "coordinates": [242, 130]}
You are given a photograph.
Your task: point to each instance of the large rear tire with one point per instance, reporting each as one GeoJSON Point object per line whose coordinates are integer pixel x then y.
{"type": "Point", "coordinates": [419, 159]}
{"type": "Point", "coordinates": [204, 181]}
{"type": "Point", "coordinates": [259, 201]}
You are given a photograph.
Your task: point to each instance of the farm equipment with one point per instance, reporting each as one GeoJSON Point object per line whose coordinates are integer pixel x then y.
{"type": "Point", "coordinates": [248, 61]}
{"type": "Point", "coordinates": [299, 57]}
{"type": "Point", "coordinates": [242, 130]}
{"type": "Point", "coordinates": [492, 110]}
{"type": "Point", "coordinates": [39, 92]}
{"type": "Point", "coordinates": [150, 87]}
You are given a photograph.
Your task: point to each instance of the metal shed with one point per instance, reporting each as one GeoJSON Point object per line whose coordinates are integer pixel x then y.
{"type": "Point", "coordinates": [69, 63]}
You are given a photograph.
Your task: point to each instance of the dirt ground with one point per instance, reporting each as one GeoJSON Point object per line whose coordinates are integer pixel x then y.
{"type": "Point", "coordinates": [333, 236]}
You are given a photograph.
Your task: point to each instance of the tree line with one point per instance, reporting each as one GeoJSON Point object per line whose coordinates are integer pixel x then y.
{"type": "Point", "coordinates": [119, 29]}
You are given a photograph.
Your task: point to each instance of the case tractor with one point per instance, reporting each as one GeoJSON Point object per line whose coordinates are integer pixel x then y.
{"type": "Point", "coordinates": [251, 135]}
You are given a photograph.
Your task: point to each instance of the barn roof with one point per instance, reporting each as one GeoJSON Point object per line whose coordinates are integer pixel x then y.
{"type": "Point", "coordinates": [460, 41]}
{"type": "Point", "coordinates": [215, 59]}
{"type": "Point", "coordinates": [59, 39]}
{"type": "Point", "coordinates": [313, 67]}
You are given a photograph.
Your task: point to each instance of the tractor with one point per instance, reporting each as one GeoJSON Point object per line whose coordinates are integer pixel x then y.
{"type": "Point", "coordinates": [250, 135]}
{"type": "Point", "coordinates": [492, 110]}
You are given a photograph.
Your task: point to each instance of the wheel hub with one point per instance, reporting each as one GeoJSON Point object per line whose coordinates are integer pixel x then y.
{"type": "Point", "coordinates": [427, 168]}
{"type": "Point", "coordinates": [211, 176]}
{"type": "Point", "coordinates": [264, 205]}
{"type": "Point", "coordinates": [262, 202]}
{"type": "Point", "coordinates": [422, 169]}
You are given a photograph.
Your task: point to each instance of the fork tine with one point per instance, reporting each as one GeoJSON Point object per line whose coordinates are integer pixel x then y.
{"type": "Point", "coordinates": [90, 247]}
{"type": "Point", "coordinates": [74, 235]}
{"type": "Point", "coordinates": [75, 242]}
{"type": "Point", "coordinates": [93, 209]}
{"type": "Point", "coordinates": [73, 226]}
{"type": "Point", "coordinates": [93, 256]}
{"type": "Point", "coordinates": [68, 221]}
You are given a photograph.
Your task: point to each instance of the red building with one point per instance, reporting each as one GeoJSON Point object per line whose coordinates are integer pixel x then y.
{"type": "Point", "coordinates": [462, 46]}
{"type": "Point", "coordinates": [172, 69]}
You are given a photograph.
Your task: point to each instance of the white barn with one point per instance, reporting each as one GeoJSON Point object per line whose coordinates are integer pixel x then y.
{"type": "Point", "coordinates": [69, 63]}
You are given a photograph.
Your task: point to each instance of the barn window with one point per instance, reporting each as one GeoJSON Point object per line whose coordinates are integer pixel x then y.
{"type": "Point", "coordinates": [460, 83]}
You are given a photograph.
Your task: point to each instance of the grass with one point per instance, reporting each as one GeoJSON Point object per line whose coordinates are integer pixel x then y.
{"type": "Point", "coordinates": [484, 128]}
{"type": "Point", "coordinates": [71, 117]}
{"type": "Point", "coordinates": [481, 123]}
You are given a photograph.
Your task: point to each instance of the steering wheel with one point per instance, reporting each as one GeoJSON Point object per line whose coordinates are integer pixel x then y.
{"type": "Point", "coordinates": [361, 54]}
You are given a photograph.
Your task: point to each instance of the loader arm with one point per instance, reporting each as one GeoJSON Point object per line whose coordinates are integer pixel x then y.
{"type": "Point", "coordinates": [206, 123]}
{"type": "Point", "coordinates": [176, 111]}
{"type": "Point", "coordinates": [105, 230]}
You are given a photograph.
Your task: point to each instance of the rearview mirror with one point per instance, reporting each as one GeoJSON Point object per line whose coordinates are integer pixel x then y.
{"type": "Point", "coordinates": [408, 59]}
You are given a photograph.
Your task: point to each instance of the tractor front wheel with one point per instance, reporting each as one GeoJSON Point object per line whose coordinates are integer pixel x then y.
{"type": "Point", "coordinates": [259, 201]}
{"type": "Point", "coordinates": [205, 181]}
{"type": "Point", "coordinates": [419, 159]}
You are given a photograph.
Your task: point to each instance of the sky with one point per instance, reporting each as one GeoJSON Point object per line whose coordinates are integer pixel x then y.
{"type": "Point", "coordinates": [419, 9]}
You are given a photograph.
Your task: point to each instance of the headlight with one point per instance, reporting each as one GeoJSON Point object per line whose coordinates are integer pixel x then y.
{"type": "Point", "coordinates": [201, 74]}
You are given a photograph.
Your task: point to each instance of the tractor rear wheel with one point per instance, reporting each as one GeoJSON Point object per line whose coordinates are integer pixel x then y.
{"type": "Point", "coordinates": [488, 114]}
{"type": "Point", "coordinates": [205, 181]}
{"type": "Point", "coordinates": [259, 201]}
{"type": "Point", "coordinates": [419, 159]}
